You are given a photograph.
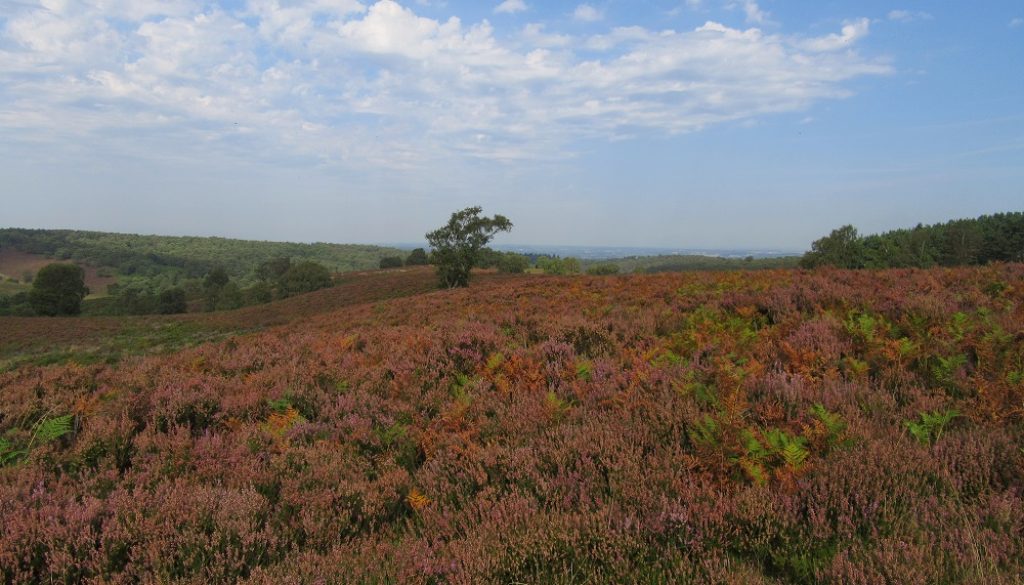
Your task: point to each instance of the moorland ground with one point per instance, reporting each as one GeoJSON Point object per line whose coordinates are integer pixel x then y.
{"type": "Point", "coordinates": [737, 427]}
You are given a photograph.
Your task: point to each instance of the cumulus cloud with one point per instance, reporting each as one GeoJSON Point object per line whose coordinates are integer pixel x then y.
{"type": "Point", "coordinates": [511, 6]}
{"type": "Point", "coordinates": [850, 34]}
{"type": "Point", "coordinates": [586, 13]}
{"type": "Point", "coordinates": [340, 81]}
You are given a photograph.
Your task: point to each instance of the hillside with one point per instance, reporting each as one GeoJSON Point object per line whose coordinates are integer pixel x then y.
{"type": "Point", "coordinates": [734, 427]}
{"type": "Point", "coordinates": [107, 339]}
{"type": "Point", "coordinates": [182, 257]}
{"type": "Point", "coordinates": [14, 264]}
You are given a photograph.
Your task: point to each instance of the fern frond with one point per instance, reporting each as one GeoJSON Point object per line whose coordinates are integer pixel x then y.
{"type": "Point", "coordinates": [931, 425]}
{"type": "Point", "coordinates": [8, 454]}
{"type": "Point", "coordinates": [794, 454]}
{"type": "Point", "coordinates": [280, 422]}
{"type": "Point", "coordinates": [705, 431]}
{"type": "Point", "coordinates": [51, 429]}
{"type": "Point", "coordinates": [834, 424]}
{"type": "Point", "coordinates": [755, 450]}
{"type": "Point", "coordinates": [754, 470]}
{"type": "Point", "coordinates": [777, 439]}
{"type": "Point", "coordinates": [919, 431]}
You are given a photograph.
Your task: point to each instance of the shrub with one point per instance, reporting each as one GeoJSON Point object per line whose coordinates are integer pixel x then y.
{"type": "Point", "coordinates": [417, 257]}
{"type": "Point", "coordinates": [390, 262]}
{"type": "Point", "coordinates": [305, 277]}
{"type": "Point", "coordinates": [172, 301]}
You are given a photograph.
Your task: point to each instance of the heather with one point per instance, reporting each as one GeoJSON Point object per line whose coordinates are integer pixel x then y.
{"type": "Point", "coordinates": [109, 339]}
{"type": "Point", "coordinates": [741, 427]}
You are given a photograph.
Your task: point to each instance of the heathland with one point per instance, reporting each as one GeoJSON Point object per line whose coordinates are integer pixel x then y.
{"type": "Point", "coordinates": [777, 426]}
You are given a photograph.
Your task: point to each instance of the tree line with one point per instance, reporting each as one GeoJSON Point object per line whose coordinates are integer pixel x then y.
{"type": "Point", "coordinates": [960, 242]}
{"type": "Point", "coordinates": [59, 289]}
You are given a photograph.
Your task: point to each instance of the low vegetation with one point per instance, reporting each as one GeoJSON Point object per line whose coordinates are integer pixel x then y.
{"type": "Point", "coordinates": [741, 427]}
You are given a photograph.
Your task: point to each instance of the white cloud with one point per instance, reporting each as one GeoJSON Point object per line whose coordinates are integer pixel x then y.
{"type": "Point", "coordinates": [586, 13]}
{"type": "Point", "coordinates": [343, 83]}
{"type": "Point", "coordinates": [754, 13]}
{"type": "Point", "coordinates": [536, 36]}
{"type": "Point", "coordinates": [511, 6]}
{"type": "Point", "coordinates": [1016, 22]}
{"type": "Point", "coordinates": [908, 15]}
{"type": "Point", "coordinates": [850, 34]}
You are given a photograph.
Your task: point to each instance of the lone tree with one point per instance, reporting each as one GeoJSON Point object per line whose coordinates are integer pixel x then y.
{"type": "Point", "coordinates": [457, 245]}
{"type": "Point", "coordinates": [58, 290]}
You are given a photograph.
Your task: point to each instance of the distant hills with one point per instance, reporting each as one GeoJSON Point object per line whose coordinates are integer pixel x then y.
{"type": "Point", "coordinates": [148, 256]}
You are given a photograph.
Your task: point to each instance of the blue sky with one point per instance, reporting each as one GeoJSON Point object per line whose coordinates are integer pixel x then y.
{"type": "Point", "coordinates": [691, 123]}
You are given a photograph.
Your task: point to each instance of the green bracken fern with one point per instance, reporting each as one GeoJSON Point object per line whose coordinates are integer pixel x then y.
{"type": "Point", "coordinates": [930, 426]}
{"type": "Point", "coordinates": [51, 429]}
{"type": "Point", "coordinates": [9, 454]}
{"type": "Point", "coordinates": [46, 430]}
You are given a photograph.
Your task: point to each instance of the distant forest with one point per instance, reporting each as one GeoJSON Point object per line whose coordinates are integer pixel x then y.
{"type": "Point", "coordinates": [184, 256]}
{"type": "Point", "coordinates": [690, 262]}
{"type": "Point", "coordinates": [960, 242]}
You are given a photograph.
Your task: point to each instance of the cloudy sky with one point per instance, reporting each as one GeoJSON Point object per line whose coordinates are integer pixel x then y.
{"type": "Point", "coordinates": [693, 123]}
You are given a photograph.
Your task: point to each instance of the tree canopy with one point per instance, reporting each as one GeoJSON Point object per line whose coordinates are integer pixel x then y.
{"type": "Point", "coordinates": [842, 248]}
{"type": "Point", "coordinates": [304, 277]}
{"type": "Point", "coordinates": [58, 289]}
{"type": "Point", "coordinates": [417, 257]}
{"type": "Point", "coordinates": [989, 238]}
{"type": "Point", "coordinates": [457, 245]}
{"type": "Point", "coordinates": [391, 262]}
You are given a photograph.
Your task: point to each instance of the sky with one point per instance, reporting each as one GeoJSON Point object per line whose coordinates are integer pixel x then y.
{"type": "Point", "coordinates": [688, 123]}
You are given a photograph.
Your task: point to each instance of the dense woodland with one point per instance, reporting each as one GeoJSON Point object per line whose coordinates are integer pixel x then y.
{"type": "Point", "coordinates": [181, 257]}
{"type": "Point", "coordinates": [960, 242]}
